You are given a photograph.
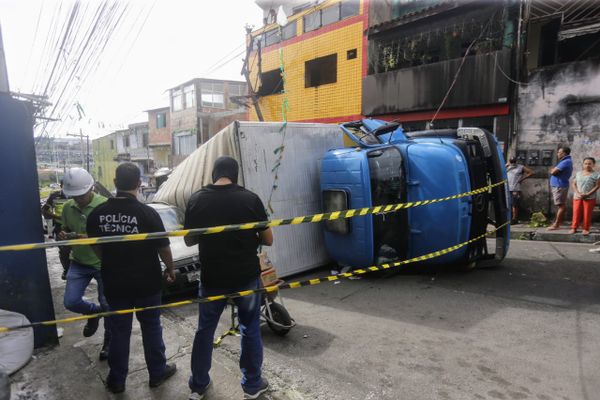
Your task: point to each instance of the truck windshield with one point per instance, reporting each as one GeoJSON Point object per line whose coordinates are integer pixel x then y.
{"type": "Point", "coordinates": [388, 186]}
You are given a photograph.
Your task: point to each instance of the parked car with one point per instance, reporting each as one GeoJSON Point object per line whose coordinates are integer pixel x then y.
{"type": "Point", "coordinates": [187, 266]}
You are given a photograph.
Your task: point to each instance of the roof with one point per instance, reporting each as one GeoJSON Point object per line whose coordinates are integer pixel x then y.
{"type": "Point", "coordinates": [136, 124]}
{"type": "Point", "coordinates": [200, 80]}
{"type": "Point", "coordinates": [443, 5]}
{"type": "Point", "coordinates": [105, 136]}
{"type": "Point", "coordinates": [158, 109]}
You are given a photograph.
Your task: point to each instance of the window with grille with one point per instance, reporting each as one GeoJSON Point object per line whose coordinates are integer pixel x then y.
{"type": "Point", "coordinates": [212, 95]}
{"type": "Point", "coordinates": [177, 100]}
{"type": "Point", "coordinates": [189, 93]}
{"type": "Point", "coordinates": [184, 143]}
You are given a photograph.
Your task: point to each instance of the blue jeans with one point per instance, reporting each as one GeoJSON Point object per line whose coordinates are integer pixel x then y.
{"type": "Point", "coordinates": [78, 279]}
{"type": "Point", "coordinates": [120, 334]}
{"type": "Point", "coordinates": [252, 349]}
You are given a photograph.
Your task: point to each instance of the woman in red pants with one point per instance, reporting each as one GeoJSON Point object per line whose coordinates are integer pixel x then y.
{"type": "Point", "coordinates": [585, 185]}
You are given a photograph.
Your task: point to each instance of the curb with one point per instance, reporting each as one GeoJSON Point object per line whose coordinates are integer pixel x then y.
{"type": "Point", "coordinates": [542, 235]}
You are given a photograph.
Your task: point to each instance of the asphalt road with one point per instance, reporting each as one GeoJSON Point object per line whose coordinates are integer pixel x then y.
{"type": "Point", "coordinates": [528, 329]}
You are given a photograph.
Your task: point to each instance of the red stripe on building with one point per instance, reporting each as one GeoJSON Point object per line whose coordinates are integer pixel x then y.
{"type": "Point", "coordinates": [471, 112]}
{"type": "Point", "coordinates": [317, 32]}
{"type": "Point", "coordinates": [333, 120]}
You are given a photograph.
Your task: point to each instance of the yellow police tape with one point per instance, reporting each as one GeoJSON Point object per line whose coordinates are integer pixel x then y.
{"type": "Point", "coordinates": [268, 289]}
{"type": "Point", "coordinates": [250, 225]}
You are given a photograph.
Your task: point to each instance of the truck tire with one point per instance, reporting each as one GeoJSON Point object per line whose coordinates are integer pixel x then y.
{"type": "Point", "coordinates": [468, 267]}
{"type": "Point", "coordinates": [280, 316]}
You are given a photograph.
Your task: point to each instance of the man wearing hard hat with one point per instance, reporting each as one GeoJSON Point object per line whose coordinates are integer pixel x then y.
{"type": "Point", "coordinates": [85, 265]}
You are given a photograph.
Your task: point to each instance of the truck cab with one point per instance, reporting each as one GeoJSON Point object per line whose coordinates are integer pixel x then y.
{"type": "Point", "coordinates": [389, 166]}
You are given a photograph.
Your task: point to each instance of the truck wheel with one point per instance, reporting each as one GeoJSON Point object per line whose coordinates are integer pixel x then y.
{"type": "Point", "coordinates": [280, 316]}
{"type": "Point", "coordinates": [467, 267]}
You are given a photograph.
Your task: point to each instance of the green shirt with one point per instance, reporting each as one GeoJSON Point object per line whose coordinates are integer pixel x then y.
{"type": "Point", "coordinates": [75, 220]}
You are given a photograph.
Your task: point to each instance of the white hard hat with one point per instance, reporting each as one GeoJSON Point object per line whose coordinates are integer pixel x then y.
{"type": "Point", "coordinates": [77, 182]}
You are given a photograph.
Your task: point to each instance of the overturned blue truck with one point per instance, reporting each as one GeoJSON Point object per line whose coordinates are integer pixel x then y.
{"type": "Point", "coordinates": [390, 166]}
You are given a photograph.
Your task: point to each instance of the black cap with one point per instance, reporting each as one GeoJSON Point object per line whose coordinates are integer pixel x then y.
{"type": "Point", "coordinates": [227, 167]}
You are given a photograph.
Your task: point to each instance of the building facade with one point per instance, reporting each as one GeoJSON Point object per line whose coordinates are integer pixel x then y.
{"type": "Point", "coordinates": [104, 150]}
{"type": "Point", "coordinates": [193, 104]}
{"type": "Point", "coordinates": [528, 71]}
{"type": "Point", "coordinates": [61, 152]}
{"type": "Point", "coordinates": [133, 146]}
{"type": "Point", "coordinates": [559, 91]}
{"type": "Point", "coordinates": [442, 64]}
{"type": "Point", "coordinates": [159, 136]}
{"type": "Point", "coordinates": [322, 52]}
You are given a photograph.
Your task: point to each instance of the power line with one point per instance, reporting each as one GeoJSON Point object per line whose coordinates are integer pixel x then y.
{"type": "Point", "coordinates": [66, 34]}
{"type": "Point", "coordinates": [84, 49]}
{"type": "Point", "coordinates": [462, 62]}
{"type": "Point", "coordinates": [105, 27]}
{"type": "Point", "coordinates": [225, 63]}
{"type": "Point", "coordinates": [224, 57]}
{"type": "Point", "coordinates": [94, 60]}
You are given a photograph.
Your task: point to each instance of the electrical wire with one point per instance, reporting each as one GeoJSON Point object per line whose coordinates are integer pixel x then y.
{"type": "Point", "coordinates": [225, 63]}
{"type": "Point", "coordinates": [504, 73]}
{"type": "Point", "coordinates": [92, 64]}
{"type": "Point", "coordinates": [86, 50]}
{"type": "Point", "coordinates": [457, 74]}
{"type": "Point", "coordinates": [224, 57]}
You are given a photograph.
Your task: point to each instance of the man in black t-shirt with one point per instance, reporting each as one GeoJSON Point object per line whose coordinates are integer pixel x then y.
{"type": "Point", "coordinates": [132, 277]}
{"type": "Point", "coordinates": [229, 263]}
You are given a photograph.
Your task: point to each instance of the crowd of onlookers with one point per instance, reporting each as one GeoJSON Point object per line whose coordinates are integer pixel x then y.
{"type": "Point", "coordinates": [584, 185]}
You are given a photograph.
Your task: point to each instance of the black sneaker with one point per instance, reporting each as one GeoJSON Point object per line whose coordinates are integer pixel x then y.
{"type": "Point", "coordinates": [169, 372]}
{"type": "Point", "coordinates": [114, 388]}
{"type": "Point", "coordinates": [91, 327]}
{"type": "Point", "coordinates": [254, 394]}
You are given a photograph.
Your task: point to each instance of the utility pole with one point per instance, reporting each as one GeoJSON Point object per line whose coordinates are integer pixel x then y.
{"type": "Point", "coordinates": [87, 152]}
{"type": "Point", "coordinates": [3, 72]}
{"type": "Point", "coordinates": [246, 72]}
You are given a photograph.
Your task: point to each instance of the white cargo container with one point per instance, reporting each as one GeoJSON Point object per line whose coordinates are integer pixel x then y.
{"type": "Point", "coordinates": [296, 248]}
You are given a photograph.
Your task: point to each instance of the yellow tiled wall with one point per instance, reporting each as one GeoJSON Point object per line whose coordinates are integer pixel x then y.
{"type": "Point", "coordinates": [339, 99]}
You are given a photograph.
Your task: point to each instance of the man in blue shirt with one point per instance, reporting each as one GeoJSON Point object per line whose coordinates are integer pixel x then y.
{"type": "Point", "coordinates": [559, 182]}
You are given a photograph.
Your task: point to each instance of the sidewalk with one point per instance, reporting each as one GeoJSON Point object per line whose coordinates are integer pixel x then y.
{"type": "Point", "coordinates": [72, 370]}
{"type": "Point", "coordinates": [525, 232]}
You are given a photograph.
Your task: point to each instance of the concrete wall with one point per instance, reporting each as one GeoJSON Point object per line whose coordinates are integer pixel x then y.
{"type": "Point", "coordinates": [560, 105]}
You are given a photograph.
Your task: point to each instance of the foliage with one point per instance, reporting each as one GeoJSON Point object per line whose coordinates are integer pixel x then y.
{"type": "Point", "coordinates": [538, 220]}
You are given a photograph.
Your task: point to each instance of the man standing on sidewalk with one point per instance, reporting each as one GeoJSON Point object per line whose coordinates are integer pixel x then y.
{"type": "Point", "coordinates": [559, 183]}
{"type": "Point", "coordinates": [85, 266]}
{"type": "Point", "coordinates": [52, 209]}
{"type": "Point", "coordinates": [229, 263]}
{"type": "Point", "coordinates": [132, 277]}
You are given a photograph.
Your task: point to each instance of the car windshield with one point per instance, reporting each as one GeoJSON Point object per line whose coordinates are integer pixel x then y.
{"type": "Point", "coordinates": [170, 218]}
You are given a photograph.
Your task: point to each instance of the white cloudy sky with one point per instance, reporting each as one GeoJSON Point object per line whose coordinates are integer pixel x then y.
{"type": "Point", "coordinates": [180, 40]}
